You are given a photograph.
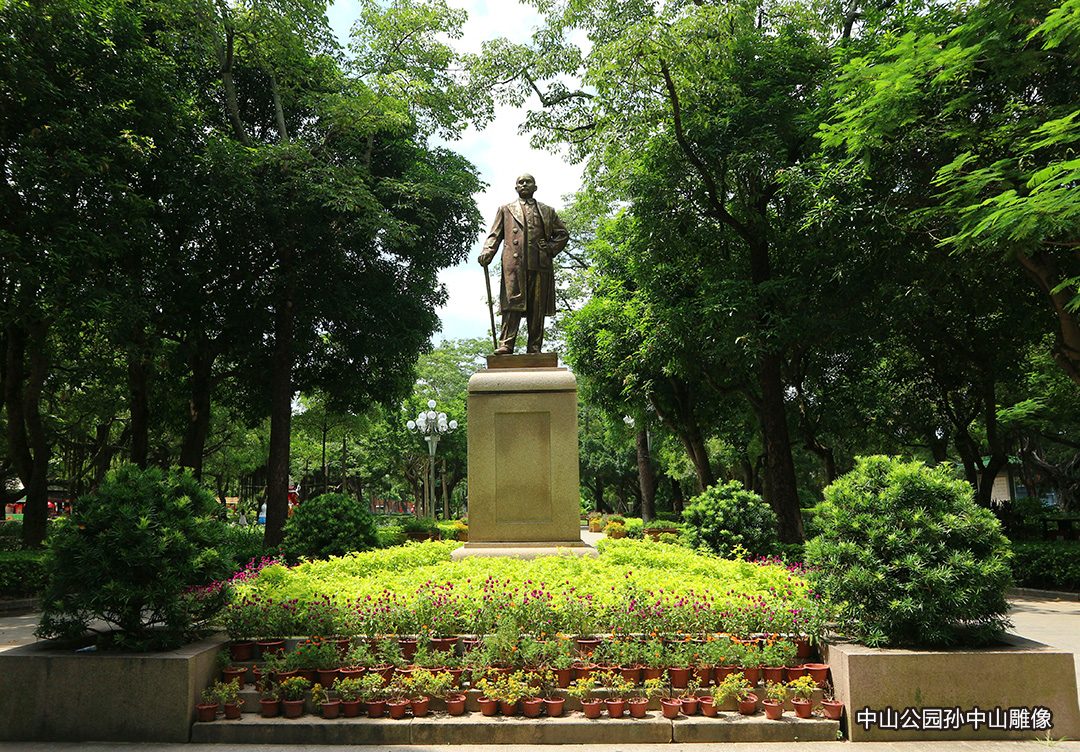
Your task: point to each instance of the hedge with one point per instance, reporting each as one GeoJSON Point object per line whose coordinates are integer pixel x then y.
{"type": "Point", "coordinates": [22, 573]}
{"type": "Point", "coordinates": [1047, 565]}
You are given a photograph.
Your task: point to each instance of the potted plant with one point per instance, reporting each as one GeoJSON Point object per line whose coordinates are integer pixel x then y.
{"type": "Point", "coordinates": [373, 692]}
{"type": "Point", "coordinates": [228, 695]}
{"type": "Point", "coordinates": [397, 696]}
{"type": "Point", "coordinates": [549, 684]}
{"type": "Point", "coordinates": [445, 688]}
{"type": "Point", "coordinates": [582, 690]}
{"type": "Point", "coordinates": [420, 528]}
{"type": "Point", "coordinates": [802, 692]}
{"type": "Point", "coordinates": [655, 528]}
{"type": "Point", "coordinates": [423, 685]}
{"type": "Point", "coordinates": [654, 659]}
{"type": "Point", "coordinates": [680, 657]}
{"type": "Point", "coordinates": [775, 656]}
{"type": "Point", "coordinates": [776, 694]}
{"type": "Point", "coordinates": [670, 705]}
{"type": "Point", "coordinates": [830, 706]}
{"type": "Point", "coordinates": [617, 690]}
{"type": "Point", "coordinates": [596, 522]}
{"type": "Point", "coordinates": [209, 706]}
{"type": "Point", "coordinates": [355, 661]}
{"type": "Point", "coordinates": [749, 657]}
{"type": "Point", "coordinates": [351, 693]}
{"type": "Point", "coordinates": [627, 656]}
{"type": "Point", "coordinates": [223, 660]}
{"type": "Point", "coordinates": [737, 688]}
{"type": "Point", "coordinates": [461, 530]}
{"type": "Point", "coordinates": [688, 698]}
{"type": "Point", "coordinates": [292, 692]}
{"type": "Point", "coordinates": [560, 660]}
{"type": "Point", "coordinates": [615, 530]}
{"type": "Point", "coordinates": [270, 699]}
{"type": "Point", "coordinates": [640, 694]}
{"type": "Point", "coordinates": [320, 698]}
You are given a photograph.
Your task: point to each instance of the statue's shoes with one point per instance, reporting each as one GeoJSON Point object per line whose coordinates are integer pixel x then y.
{"type": "Point", "coordinates": [504, 351]}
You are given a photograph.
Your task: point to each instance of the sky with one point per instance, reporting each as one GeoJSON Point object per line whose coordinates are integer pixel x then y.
{"type": "Point", "coordinates": [498, 153]}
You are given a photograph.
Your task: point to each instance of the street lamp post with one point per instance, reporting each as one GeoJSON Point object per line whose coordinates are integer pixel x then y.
{"type": "Point", "coordinates": [431, 425]}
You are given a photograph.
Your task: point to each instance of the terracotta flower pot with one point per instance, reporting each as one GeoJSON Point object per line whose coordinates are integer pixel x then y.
{"type": "Point", "coordinates": [531, 707]}
{"type": "Point", "coordinates": [584, 670]}
{"type": "Point", "coordinates": [704, 675]}
{"type": "Point", "coordinates": [802, 647]}
{"type": "Point", "coordinates": [616, 706]}
{"type": "Point", "coordinates": [680, 676]}
{"type": "Point", "coordinates": [207, 712]}
{"type": "Point", "coordinates": [631, 673]}
{"type": "Point", "coordinates": [748, 705]}
{"type": "Point", "coordinates": [293, 708]}
{"type": "Point", "coordinates": [308, 673]}
{"type": "Point", "coordinates": [455, 675]}
{"type": "Point", "coordinates": [241, 650]}
{"type": "Point", "coordinates": [648, 672]}
{"type": "Point", "coordinates": [689, 705]}
{"type": "Point", "coordinates": [270, 708]}
{"type": "Point", "coordinates": [455, 704]}
{"type": "Point", "coordinates": [586, 645]}
{"type": "Point", "coordinates": [638, 707]}
{"type": "Point", "coordinates": [833, 709]}
{"type": "Point", "coordinates": [553, 706]}
{"type": "Point", "coordinates": [331, 708]}
{"type": "Point", "coordinates": [708, 707]}
{"type": "Point", "coordinates": [376, 708]}
{"type": "Point", "coordinates": [773, 709]}
{"type": "Point", "coordinates": [351, 708]}
{"type": "Point", "coordinates": [351, 673]}
{"type": "Point", "coordinates": [818, 671]}
{"type": "Point", "coordinates": [670, 707]}
{"type": "Point", "coordinates": [591, 708]}
{"type": "Point", "coordinates": [445, 644]}
{"type": "Point", "coordinates": [233, 710]}
{"type": "Point", "coordinates": [563, 677]}
{"type": "Point", "coordinates": [722, 672]}
{"type": "Point", "coordinates": [772, 674]}
{"type": "Point", "coordinates": [236, 674]}
{"type": "Point", "coordinates": [508, 708]}
{"type": "Point", "coordinates": [488, 706]}
{"type": "Point", "coordinates": [397, 708]}
{"type": "Point", "coordinates": [795, 672]}
{"type": "Point", "coordinates": [420, 706]}
{"type": "Point", "coordinates": [408, 647]}
{"type": "Point", "coordinates": [753, 675]}
{"type": "Point", "coordinates": [327, 676]}
{"type": "Point", "coordinates": [802, 708]}
{"type": "Point", "coordinates": [270, 647]}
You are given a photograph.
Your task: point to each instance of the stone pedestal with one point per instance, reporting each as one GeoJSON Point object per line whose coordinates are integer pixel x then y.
{"type": "Point", "coordinates": [523, 460]}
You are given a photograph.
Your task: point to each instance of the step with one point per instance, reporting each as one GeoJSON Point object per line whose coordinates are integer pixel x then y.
{"type": "Point", "coordinates": [474, 728]}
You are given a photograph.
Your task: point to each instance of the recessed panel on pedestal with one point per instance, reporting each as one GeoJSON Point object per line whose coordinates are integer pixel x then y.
{"type": "Point", "coordinates": [523, 467]}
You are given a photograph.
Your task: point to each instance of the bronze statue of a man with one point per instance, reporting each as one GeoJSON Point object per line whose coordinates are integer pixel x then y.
{"type": "Point", "coordinates": [533, 235]}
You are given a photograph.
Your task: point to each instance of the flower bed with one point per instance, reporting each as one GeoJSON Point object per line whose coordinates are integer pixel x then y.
{"type": "Point", "coordinates": [633, 587]}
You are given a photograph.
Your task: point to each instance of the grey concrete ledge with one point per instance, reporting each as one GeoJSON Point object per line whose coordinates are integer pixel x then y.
{"type": "Point", "coordinates": [19, 606]}
{"type": "Point", "coordinates": [439, 729]}
{"type": "Point", "coordinates": [1061, 595]}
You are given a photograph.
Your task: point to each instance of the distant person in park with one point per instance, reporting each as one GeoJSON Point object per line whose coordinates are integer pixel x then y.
{"type": "Point", "coordinates": [532, 235]}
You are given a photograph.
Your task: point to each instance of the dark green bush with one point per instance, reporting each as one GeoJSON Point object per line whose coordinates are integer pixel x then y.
{"type": "Point", "coordinates": [908, 558]}
{"type": "Point", "coordinates": [134, 555]}
{"type": "Point", "coordinates": [242, 544]}
{"type": "Point", "coordinates": [22, 573]}
{"type": "Point", "coordinates": [728, 516]}
{"type": "Point", "coordinates": [1047, 565]}
{"type": "Point", "coordinates": [329, 525]}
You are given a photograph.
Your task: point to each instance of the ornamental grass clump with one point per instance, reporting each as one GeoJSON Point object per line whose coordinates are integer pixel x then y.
{"type": "Point", "coordinates": [909, 559]}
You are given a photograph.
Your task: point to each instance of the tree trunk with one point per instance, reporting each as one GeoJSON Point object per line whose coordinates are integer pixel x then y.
{"type": "Point", "coordinates": [781, 490]}
{"type": "Point", "coordinates": [1042, 268]}
{"type": "Point", "coordinates": [200, 386]}
{"type": "Point", "coordinates": [646, 477]}
{"type": "Point", "coordinates": [138, 400]}
{"type": "Point", "coordinates": [678, 502]}
{"type": "Point", "coordinates": [27, 445]}
{"type": "Point", "coordinates": [281, 393]}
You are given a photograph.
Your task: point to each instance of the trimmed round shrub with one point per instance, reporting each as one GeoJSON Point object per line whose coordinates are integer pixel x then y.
{"type": "Point", "coordinates": [329, 525]}
{"type": "Point", "coordinates": [143, 554]}
{"type": "Point", "coordinates": [727, 517]}
{"type": "Point", "coordinates": [909, 559]}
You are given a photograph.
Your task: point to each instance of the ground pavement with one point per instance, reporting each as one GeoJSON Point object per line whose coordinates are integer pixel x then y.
{"type": "Point", "coordinates": [1050, 618]}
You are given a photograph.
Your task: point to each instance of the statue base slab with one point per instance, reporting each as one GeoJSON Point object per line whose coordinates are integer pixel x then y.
{"type": "Point", "coordinates": [519, 550]}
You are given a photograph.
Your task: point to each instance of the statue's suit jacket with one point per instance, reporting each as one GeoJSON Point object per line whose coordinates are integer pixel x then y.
{"type": "Point", "coordinates": [520, 257]}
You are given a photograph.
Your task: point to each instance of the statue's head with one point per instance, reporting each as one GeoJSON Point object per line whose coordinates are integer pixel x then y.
{"type": "Point", "coordinates": [526, 186]}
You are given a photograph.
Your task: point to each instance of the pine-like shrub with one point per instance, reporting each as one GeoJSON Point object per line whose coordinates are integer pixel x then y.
{"type": "Point", "coordinates": [908, 558]}
{"type": "Point", "coordinates": [726, 517]}
{"type": "Point", "coordinates": [137, 555]}
{"type": "Point", "coordinates": [329, 525]}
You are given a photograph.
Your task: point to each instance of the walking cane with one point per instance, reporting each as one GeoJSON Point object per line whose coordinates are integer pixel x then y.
{"type": "Point", "coordinates": [491, 308]}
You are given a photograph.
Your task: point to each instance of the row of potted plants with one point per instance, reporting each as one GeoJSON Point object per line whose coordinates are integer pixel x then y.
{"type": "Point", "coordinates": [502, 692]}
{"type": "Point", "coordinates": [770, 659]}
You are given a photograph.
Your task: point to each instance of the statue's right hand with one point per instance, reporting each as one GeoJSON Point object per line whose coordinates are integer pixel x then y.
{"type": "Point", "coordinates": [485, 259]}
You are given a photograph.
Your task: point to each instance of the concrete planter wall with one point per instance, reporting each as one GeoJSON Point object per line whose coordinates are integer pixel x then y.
{"type": "Point", "coordinates": [59, 695]}
{"type": "Point", "coordinates": [1014, 686]}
